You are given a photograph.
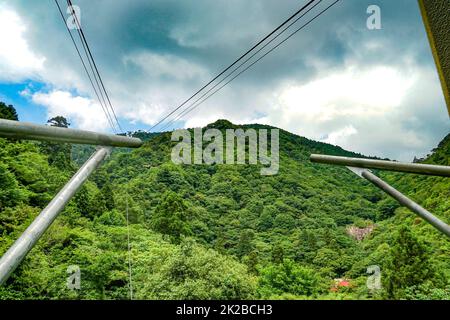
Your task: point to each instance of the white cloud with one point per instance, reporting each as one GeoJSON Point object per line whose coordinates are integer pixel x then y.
{"type": "Point", "coordinates": [387, 111]}
{"type": "Point", "coordinates": [145, 113]}
{"type": "Point", "coordinates": [165, 65]}
{"type": "Point", "coordinates": [340, 135]}
{"type": "Point", "coordinates": [196, 122]}
{"type": "Point", "coordinates": [82, 112]}
{"type": "Point", "coordinates": [349, 92]}
{"type": "Point", "coordinates": [17, 61]}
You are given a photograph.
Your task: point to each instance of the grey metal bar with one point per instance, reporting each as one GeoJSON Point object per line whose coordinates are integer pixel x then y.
{"type": "Point", "coordinates": [31, 131]}
{"type": "Point", "coordinates": [411, 205]}
{"type": "Point", "coordinates": [426, 169]}
{"type": "Point", "coordinates": [12, 258]}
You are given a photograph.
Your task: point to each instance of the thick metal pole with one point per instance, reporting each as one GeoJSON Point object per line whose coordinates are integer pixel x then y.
{"type": "Point", "coordinates": [427, 169]}
{"type": "Point", "coordinates": [402, 199]}
{"type": "Point", "coordinates": [31, 131]}
{"type": "Point", "coordinates": [12, 258]}
{"type": "Point", "coordinates": [436, 18]}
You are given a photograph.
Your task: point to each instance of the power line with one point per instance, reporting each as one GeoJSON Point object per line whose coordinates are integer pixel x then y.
{"type": "Point", "coordinates": [130, 283]}
{"type": "Point", "coordinates": [186, 111]}
{"type": "Point", "coordinates": [81, 33]}
{"type": "Point", "coordinates": [85, 68]}
{"type": "Point", "coordinates": [234, 63]}
{"type": "Point", "coordinates": [85, 49]}
{"type": "Point", "coordinates": [242, 63]}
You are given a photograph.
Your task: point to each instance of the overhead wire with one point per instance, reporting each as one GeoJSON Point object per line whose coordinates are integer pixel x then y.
{"type": "Point", "coordinates": [130, 283]}
{"type": "Point", "coordinates": [101, 88]}
{"type": "Point", "coordinates": [89, 53]}
{"type": "Point", "coordinates": [94, 73]}
{"type": "Point", "coordinates": [190, 109]}
{"type": "Point", "coordinates": [108, 116]}
{"type": "Point", "coordinates": [239, 66]}
{"type": "Point", "coordinates": [234, 63]}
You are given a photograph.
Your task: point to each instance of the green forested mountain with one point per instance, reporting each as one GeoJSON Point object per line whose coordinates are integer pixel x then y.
{"type": "Point", "coordinates": [222, 231]}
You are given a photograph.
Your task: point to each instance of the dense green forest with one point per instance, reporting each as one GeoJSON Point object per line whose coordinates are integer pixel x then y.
{"type": "Point", "coordinates": [220, 231]}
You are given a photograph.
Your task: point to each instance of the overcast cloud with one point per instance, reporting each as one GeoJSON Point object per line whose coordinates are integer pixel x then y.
{"type": "Point", "coordinates": [375, 92]}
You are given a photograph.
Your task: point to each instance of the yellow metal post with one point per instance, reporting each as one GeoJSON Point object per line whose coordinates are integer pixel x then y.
{"type": "Point", "coordinates": [436, 18]}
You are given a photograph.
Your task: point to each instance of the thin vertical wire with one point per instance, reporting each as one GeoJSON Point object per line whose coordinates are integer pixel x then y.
{"type": "Point", "coordinates": [129, 252]}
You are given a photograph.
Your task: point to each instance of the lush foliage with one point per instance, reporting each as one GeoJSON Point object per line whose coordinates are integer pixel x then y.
{"type": "Point", "coordinates": [220, 231]}
{"type": "Point", "coordinates": [8, 112]}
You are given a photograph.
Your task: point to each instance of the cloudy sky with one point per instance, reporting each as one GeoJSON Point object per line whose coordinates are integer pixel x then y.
{"type": "Point", "coordinates": [371, 91]}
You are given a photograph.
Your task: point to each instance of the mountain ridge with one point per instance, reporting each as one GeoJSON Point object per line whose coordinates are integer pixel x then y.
{"type": "Point", "coordinates": [221, 231]}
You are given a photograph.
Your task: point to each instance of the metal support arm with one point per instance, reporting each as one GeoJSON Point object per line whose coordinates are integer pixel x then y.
{"type": "Point", "coordinates": [404, 200]}
{"type": "Point", "coordinates": [358, 166]}
{"type": "Point", "coordinates": [31, 131]}
{"type": "Point", "coordinates": [427, 169]}
{"type": "Point", "coordinates": [13, 257]}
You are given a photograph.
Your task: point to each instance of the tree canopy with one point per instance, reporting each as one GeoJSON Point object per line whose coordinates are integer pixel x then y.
{"type": "Point", "coordinates": [220, 231]}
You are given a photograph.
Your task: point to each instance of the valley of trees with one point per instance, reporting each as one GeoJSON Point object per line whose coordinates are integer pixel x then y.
{"type": "Point", "coordinates": [220, 231]}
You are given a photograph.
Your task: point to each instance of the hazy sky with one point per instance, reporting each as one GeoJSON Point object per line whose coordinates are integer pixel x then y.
{"type": "Point", "coordinates": [371, 91]}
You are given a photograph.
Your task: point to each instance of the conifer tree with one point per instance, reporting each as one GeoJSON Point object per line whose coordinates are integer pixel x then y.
{"type": "Point", "coordinates": [408, 265]}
